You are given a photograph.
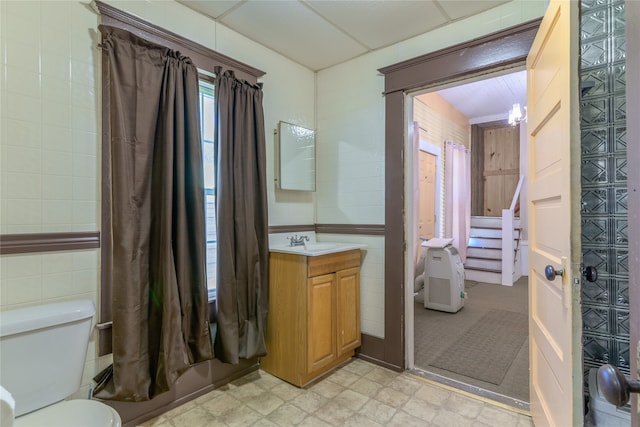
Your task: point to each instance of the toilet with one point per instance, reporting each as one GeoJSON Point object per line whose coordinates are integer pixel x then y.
{"type": "Point", "coordinates": [42, 356]}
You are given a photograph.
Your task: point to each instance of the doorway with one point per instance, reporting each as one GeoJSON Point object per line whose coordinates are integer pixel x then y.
{"type": "Point", "coordinates": [482, 348]}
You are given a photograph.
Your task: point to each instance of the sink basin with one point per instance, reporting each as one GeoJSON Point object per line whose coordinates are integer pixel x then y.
{"type": "Point", "coordinates": [320, 246]}
{"type": "Point", "coordinates": [315, 249]}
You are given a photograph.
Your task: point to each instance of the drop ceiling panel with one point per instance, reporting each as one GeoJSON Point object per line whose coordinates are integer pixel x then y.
{"type": "Point", "coordinates": [211, 8]}
{"type": "Point", "coordinates": [381, 23]}
{"type": "Point", "coordinates": [322, 33]}
{"type": "Point", "coordinates": [294, 30]}
{"type": "Point", "coordinates": [463, 8]}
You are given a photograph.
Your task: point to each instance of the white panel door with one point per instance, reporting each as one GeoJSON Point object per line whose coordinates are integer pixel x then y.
{"type": "Point", "coordinates": [554, 221]}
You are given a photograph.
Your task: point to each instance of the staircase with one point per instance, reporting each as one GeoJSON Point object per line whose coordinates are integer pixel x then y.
{"type": "Point", "coordinates": [484, 251]}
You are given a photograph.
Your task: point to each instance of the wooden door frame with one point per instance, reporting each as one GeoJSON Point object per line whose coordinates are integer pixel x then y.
{"type": "Point", "coordinates": [501, 50]}
{"type": "Point", "coordinates": [632, 12]}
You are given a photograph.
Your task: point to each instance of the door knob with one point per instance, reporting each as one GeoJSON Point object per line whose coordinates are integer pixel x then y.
{"type": "Point", "coordinates": [590, 273]}
{"type": "Point", "coordinates": [550, 273]}
{"type": "Point", "coordinates": [614, 386]}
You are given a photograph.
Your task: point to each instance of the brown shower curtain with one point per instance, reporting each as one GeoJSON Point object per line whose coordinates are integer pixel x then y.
{"type": "Point", "coordinates": [154, 195]}
{"type": "Point", "coordinates": [243, 243]}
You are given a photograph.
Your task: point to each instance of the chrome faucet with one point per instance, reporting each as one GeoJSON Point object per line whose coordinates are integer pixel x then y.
{"type": "Point", "coordinates": [297, 241]}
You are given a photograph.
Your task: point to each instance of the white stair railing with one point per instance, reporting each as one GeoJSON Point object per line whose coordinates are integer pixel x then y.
{"type": "Point", "coordinates": [508, 249]}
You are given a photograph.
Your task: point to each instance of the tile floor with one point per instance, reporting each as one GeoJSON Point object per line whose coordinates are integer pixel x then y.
{"type": "Point", "coordinates": [358, 394]}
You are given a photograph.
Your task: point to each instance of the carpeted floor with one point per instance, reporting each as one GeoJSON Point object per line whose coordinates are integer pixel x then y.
{"type": "Point", "coordinates": [445, 340]}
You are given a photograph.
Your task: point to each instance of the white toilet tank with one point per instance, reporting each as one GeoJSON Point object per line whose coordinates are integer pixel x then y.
{"type": "Point", "coordinates": [42, 352]}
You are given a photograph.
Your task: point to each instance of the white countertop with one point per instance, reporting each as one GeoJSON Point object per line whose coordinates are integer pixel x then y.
{"type": "Point", "coordinates": [316, 248]}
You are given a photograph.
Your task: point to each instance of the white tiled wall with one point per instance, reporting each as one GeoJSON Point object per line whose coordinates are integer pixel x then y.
{"type": "Point", "coordinates": [50, 135]}
{"type": "Point", "coordinates": [50, 118]}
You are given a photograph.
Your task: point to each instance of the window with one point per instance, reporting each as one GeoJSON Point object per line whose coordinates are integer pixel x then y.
{"type": "Point", "coordinates": [207, 130]}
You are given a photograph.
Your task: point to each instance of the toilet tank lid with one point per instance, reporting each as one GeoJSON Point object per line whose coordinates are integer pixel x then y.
{"type": "Point", "coordinates": [30, 318]}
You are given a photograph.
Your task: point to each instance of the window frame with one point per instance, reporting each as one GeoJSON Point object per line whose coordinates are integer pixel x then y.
{"type": "Point", "coordinates": [209, 81]}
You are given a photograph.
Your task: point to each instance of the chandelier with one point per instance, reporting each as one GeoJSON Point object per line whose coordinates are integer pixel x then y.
{"type": "Point", "coordinates": [516, 115]}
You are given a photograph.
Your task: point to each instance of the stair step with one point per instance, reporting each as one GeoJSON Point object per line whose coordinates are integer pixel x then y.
{"type": "Point", "coordinates": [484, 253]}
{"type": "Point", "coordinates": [495, 233]}
{"type": "Point", "coordinates": [483, 276]}
{"type": "Point", "coordinates": [491, 221]}
{"type": "Point", "coordinates": [476, 242]}
{"type": "Point", "coordinates": [483, 264]}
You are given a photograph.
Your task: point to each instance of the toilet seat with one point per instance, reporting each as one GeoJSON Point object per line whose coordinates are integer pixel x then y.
{"type": "Point", "coordinates": [72, 413]}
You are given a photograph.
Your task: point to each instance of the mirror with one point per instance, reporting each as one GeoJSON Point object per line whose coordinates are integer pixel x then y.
{"type": "Point", "coordinates": [295, 158]}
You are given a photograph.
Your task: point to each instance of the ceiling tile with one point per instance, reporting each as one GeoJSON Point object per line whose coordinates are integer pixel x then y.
{"type": "Point", "coordinates": [211, 8]}
{"type": "Point", "coordinates": [294, 30]}
{"type": "Point", "coordinates": [381, 23]}
{"type": "Point", "coordinates": [462, 8]}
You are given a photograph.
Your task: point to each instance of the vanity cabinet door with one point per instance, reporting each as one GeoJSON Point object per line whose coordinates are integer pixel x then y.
{"type": "Point", "coordinates": [348, 309]}
{"type": "Point", "coordinates": [321, 321]}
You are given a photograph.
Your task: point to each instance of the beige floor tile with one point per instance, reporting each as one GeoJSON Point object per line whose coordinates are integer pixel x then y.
{"type": "Point", "coordinates": [525, 421]}
{"type": "Point", "coordinates": [378, 411]}
{"type": "Point", "coordinates": [402, 419]}
{"type": "Point", "coordinates": [267, 381]}
{"type": "Point", "coordinates": [286, 391]}
{"type": "Point", "coordinates": [351, 399]}
{"type": "Point", "coordinates": [240, 416]}
{"type": "Point", "coordinates": [264, 422]}
{"type": "Point", "coordinates": [312, 421]}
{"type": "Point", "coordinates": [327, 389]}
{"type": "Point", "coordinates": [246, 391]}
{"type": "Point", "coordinates": [421, 409]}
{"type": "Point", "coordinates": [405, 385]}
{"type": "Point", "coordinates": [180, 410]}
{"type": "Point", "coordinates": [495, 416]}
{"type": "Point", "coordinates": [265, 404]}
{"type": "Point", "coordinates": [366, 386]}
{"type": "Point", "coordinates": [463, 405]}
{"type": "Point", "coordinates": [358, 394]}
{"type": "Point", "coordinates": [359, 420]}
{"type": "Point", "coordinates": [221, 405]}
{"type": "Point", "coordinates": [334, 414]}
{"type": "Point", "coordinates": [344, 378]}
{"type": "Point", "coordinates": [309, 401]}
{"type": "Point", "coordinates": [432, 394]}
{"type": "Point", "coordinates": [359, 367]}
{"type": "Point", "coordinates": [381, 375]}
{"type": "Point", "coordinates": [446, 418]}
{"type": "Point", "coordinates": [195, 417]}
{"type": "Point", "coordinates": [287, 415]}
{"type": "Point", "coordinates": [392, 397]}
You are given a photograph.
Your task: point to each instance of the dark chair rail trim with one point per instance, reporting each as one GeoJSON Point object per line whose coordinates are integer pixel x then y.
{"type": "Point", "coordinates": [361, 229]}
{"type": "Point", "coordinates": [47, 242]}
{"type": "Point", "coordinates": [291, 228]}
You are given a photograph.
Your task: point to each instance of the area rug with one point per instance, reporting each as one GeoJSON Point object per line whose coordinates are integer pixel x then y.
{"type": "Point", "coordinates": [487, 349]}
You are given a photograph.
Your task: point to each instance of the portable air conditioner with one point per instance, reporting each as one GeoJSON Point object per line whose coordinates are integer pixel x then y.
{"type": "Point", "coordinates": [443, 276]}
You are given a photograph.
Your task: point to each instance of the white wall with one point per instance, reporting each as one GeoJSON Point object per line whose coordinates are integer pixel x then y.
{"type": "Point", "coordinates": [50, 135]}
{"type": "Point", "coordinates": [350, 111]}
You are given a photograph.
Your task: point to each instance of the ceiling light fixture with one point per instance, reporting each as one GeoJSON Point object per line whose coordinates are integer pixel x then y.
{"type": "Point", "coordinates": [516, 116]}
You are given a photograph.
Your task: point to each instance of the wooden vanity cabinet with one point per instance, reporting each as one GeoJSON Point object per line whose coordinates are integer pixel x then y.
{"type": "Point", "coordinates": [314, 314]}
